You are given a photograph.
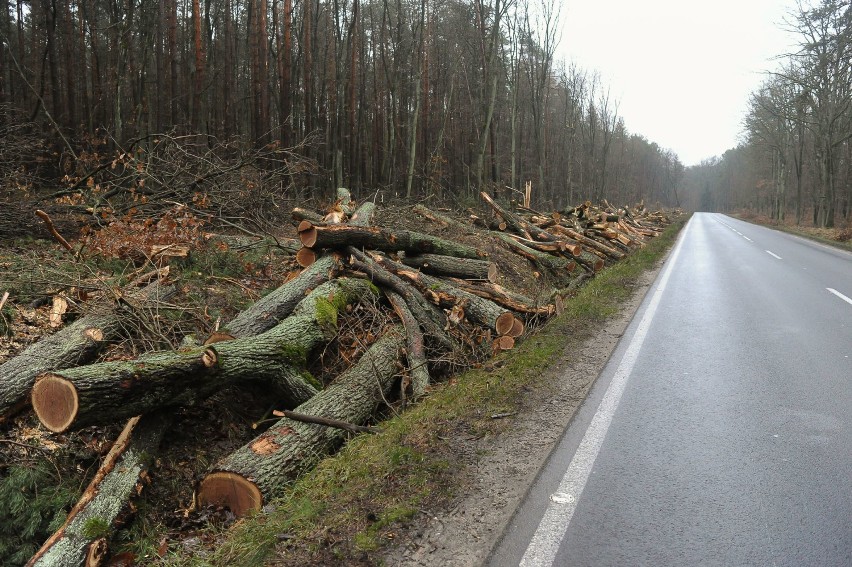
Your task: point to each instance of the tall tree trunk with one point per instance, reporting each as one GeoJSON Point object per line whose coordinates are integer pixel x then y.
{"type": "Point", "coordinates": [70, 67]}
{"type": "Point", "coordinates": [198, 71]}
{"type": "Point", "coordinates": [286, 88]}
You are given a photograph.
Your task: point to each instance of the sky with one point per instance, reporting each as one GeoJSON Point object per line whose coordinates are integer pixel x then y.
{"type": "Point", "coordinates": [682, 70]}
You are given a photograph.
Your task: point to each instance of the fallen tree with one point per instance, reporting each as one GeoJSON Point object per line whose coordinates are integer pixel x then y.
{"type": "Point", "coordinates": [74, 344]}
{"type": "Point", "coordinates": [262, 469]}
{"type": "Point", "coordinates": [82, 538]}
{"type": "Point", "coordinates": [110, 391]}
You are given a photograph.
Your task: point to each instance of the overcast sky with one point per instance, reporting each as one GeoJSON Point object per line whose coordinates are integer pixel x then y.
{"type": "Point", "coordinates": [681, 69]}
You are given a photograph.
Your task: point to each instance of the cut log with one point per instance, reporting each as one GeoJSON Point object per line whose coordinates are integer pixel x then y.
{"type": "Point", "coordinates": [75, 344]}
{"type": "Point", "coordinates": [272, 308]}
{"type": "Point", "coordinates": [110, 391]}
{"type": "Point", "coordinates": [441, 293]}
{"type": "Point", "coordinates": [464, 268]}
{"type": "Point", "coordinates": [105, 500]}
{"type": "Point", "coordinates": [415, 352]}
{"type": "Point", "coordinates": [503, 343]}
{"type": "Point", "coordinates": [430, 318]}
{"type": "Point", "coordinates": [542, 260]}
{"type": "Point", "coordinates": [501, 296]}
{"type": "Point", "coordinates": [363, 215]}
{"type": "Point", "coordinates": [373, 238]}
{"type": "Point", "coordinates": [345, 202]}
{"type": "Point", "coordinates": [301, 214]}
{"type": "Point", "coordinates": [262, 469]}
{"type": "Point", "coordinates": [590, 242]}
{"type": "Point", "coordinates": [590, 261]}
{"type": "Point", "coordinates": [444, 220]}
{"type": "Point", "coordinates": [306, 257]}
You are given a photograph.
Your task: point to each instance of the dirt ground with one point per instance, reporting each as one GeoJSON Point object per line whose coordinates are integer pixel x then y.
{"type": "Point", "coordinates": [502, 467]}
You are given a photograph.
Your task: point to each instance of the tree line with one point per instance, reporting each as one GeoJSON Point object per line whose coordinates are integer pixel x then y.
{"type": "Point", "coordinates": [796, 156]}
{"type": "Point", "coordinates": [440, 98]}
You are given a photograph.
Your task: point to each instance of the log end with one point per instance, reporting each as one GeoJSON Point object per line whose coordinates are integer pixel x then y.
{"type": "Point", "coordinates": [307, 234]}
{"type": "Point", "coordinates": [502, 343]}
{"type": "Point", "coordinates": [228, 489]}
{"type": "Point", "coordinates": [517, 329]}
{"type": "Point", "coordinates": [94, 334]}
{"type": "Point", "coordinates": [504, 323]}
{"type": "Point", "coordinates": [306, 257]}
{"type": "Point", "coordinates": [55, 402]}
{"type": "Point", "coordinates": [492, 272]}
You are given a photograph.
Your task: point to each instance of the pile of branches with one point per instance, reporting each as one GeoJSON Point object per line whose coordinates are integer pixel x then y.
{"type": "Point", "coordinates": [443, 309]}
{"type": "Point", "coordinates": [226, 178]}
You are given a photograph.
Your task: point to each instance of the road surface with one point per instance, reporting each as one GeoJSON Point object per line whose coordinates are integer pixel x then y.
{"type": "Point", "coordinates": [720, 432]}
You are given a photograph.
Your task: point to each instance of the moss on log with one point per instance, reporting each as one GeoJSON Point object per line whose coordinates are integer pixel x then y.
{"type": "Point", "coordinates": [111, 391]}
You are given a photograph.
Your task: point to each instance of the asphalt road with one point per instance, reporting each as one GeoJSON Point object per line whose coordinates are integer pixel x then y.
{"type": "Point", "coordinates": [720, 432]}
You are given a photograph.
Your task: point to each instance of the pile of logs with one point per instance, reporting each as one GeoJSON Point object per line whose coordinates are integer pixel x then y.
{"type": "Point", "coordinates": [443, 301]}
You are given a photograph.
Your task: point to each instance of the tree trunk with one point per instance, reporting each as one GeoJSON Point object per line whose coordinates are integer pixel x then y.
{"type": "Point", "coordinates": [75, 344]}
{"type": "Point", "coordinates": [341, 235]}
{"type": "Point", "coordinates": [481, 311]}
{"type": "Point", "coordinates": [110, 391]}
{"type": "Point", "coordinates": [271, 309]}
{"type": "Point", "coordinates": [415, 352]}
{"type": "Point", "coordinates": [106, 497]}
{"type": "Point", "coordinates": [262, 469]}
{"type": "Point", "coordinates": [464, 268]}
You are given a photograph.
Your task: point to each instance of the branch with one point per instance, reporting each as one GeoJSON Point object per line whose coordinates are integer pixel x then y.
{"type": "Point", "coordinates": [328, 422]}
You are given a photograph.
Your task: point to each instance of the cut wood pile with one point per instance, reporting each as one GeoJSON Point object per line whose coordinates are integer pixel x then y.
{"type": "Point", "coordinates": [440, 304]}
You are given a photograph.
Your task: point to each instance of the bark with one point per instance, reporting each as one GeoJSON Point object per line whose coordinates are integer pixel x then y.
{"type": "Point", "coordinates": [502, 296]}
{"type": "Point", "coordinates": [277, 305]}
{"type": "Point", "coordinates": [106, 498]}
{"type": "Point", "coordinates": [262, 469]}
{"type": "Point", "coordinates": [542, 260]}
{"type": "Point", "coordinates": [430, 318]}
{"type": "Point", "coordinates": [465, 268]}
{"type": "Point", "coordinates": [110, 391]}
{"type": "Point", "coordinates": [479, 310]}
{"type": "Point", "coordinates": [363, 215]}
{"type": "Point", "coordinates": [415, 353]}
{"type": "Point", "coordinates": [342, 235]}
{"type": "Point", "coordinates": [589, 242]}
{"type": "Point", "coordinates": [526, 229]}
{"type": "Point", "coordinates": [73, 345]}
{"type": "Point", "coordinates": [442, 219]}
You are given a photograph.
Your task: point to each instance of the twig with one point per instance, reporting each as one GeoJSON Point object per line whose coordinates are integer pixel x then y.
{"type": "Point", "coordinates": [49, 223]}
{"type": "Point", "coordinates": [503, 415]}
{"type": "Point", "coordinates": [328, 422]}
{"type": "Point", "coordinates": [24, 445]}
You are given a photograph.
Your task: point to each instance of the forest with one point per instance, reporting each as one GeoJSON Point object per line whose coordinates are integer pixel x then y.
{"type": "Point", "coordinates": [413, 99]}
{"type": "Point", "coordinates": [795, 159]}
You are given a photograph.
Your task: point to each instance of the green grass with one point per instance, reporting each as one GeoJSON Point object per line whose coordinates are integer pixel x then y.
{"type": "Point", "coordinates": [353, 503]}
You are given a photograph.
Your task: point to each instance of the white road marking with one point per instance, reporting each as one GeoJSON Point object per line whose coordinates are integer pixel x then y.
{"type": "Point", "coordinates": [840, 295]}
{"type": "Point", "coordinates": [747, 238]}
{"type": "Point", "coordinates": [554, 523]}
{"type": "Point", "coordinates": [774, 255]}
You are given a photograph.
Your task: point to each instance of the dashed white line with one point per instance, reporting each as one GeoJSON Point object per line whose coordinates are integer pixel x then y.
{"type": "Point", "coordinates": [840, 295]}
{"type": "Point", "coordinates": [774, 255]}
{"type": "Point", "coordinates": [747, 238]}
{"type": "Point", "coordinates": [544, 545]}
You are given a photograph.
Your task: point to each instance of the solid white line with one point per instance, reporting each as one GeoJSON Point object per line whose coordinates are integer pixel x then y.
{"type": "Point", "coordinates": [554, 523]}
{"type": "Point", "coordinates": [840, 295]}
{"type": "Point", "coordinates": [776, 256]}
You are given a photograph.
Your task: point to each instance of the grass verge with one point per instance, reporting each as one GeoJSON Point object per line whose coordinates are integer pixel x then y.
{"type": "Point", "coordinates": [354, 503]}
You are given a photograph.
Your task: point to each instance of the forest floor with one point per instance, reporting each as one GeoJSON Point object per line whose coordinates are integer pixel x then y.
{"type": "Point", "coordinates": [434, 489]}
